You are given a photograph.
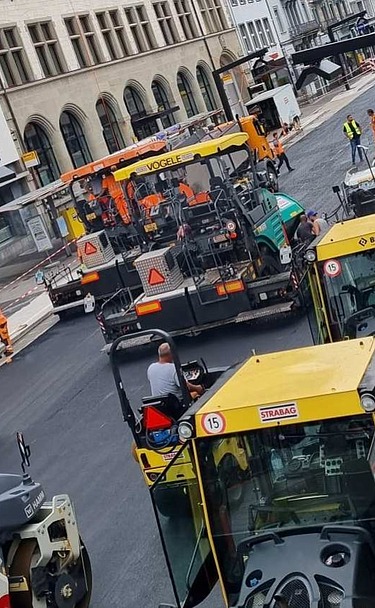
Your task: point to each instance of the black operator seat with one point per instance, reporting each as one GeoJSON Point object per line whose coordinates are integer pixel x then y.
{"type": "Point", "coordinates": [20, 499]}
{"type": "Point", "coordinates": [169, 404]}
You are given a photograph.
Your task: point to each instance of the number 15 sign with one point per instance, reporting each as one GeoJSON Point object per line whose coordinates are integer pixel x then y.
{"type": "Point", "coordinates": [213, 424]}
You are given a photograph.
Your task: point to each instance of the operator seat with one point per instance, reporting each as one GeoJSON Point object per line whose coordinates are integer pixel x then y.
{"type": "Point", "coordinates": [169, 404]}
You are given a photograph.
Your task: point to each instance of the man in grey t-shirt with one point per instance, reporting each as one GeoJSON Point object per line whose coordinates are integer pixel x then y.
{"type": "Point", "coordinates": [162, 375]}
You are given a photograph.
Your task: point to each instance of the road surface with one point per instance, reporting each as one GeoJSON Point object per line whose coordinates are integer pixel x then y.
{"type": "Point", "coordinates": [60, 392]}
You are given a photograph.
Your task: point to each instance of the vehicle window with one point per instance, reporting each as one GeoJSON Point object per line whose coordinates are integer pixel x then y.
{"type": "Point", "coordinates": [350, 291]}
{"type": "Point", "coordinates": [178, 507]}
{"type": "Point", "coordinates": [295, 476]}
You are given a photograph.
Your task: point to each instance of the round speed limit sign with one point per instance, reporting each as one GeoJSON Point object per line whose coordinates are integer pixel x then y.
{"type": "Point", "coordinates": [213, 423]}
{"type": "Point", "coordinates": [332, 268]}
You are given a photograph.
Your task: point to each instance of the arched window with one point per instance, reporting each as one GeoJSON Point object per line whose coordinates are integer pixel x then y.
{"type": "Point", "coordinates": [75, 139]}
{"type": "Point", "coordinates": [205, 87]}
{"type": "Point", "coordinates": [37, 139]}
{"type": "Point", "coordinates": [142, 126]}
{"type": "Point", "coordinates": [111, 130]}
{"type": "Point", "coordinates": [163, 103]}
{"type": "Point", "coordinates": [186, 95]}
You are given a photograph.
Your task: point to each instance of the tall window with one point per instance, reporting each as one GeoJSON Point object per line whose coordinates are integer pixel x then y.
{"type": "Point", "coordinates": [47, 48]}
{"type": "Point", "coordinates": [245, 37]}
{"type": "Point", "coordinates": [140, 28]}
{"type": "Point", "coordinates": [111, 130]}
{"type": "Point", "coordinates": [166, 22]}
{"type": "Point", "coordinates": [37, 139]}
{"type": "Point", "coordinates": [278, 19]}
{"type": "Point", "coordinates": [205, 87]}
{"type": "Point", "coordinates": [186, 95]}
{"type": "Point", "coordinates": [253, 35]}
{"type": "Point", "coordinates": [75, 139]}
{"type": "Point", "coordinates": [138, 114]}
{"type": "Point", "coordinates": [261, 34]}
{"type": "Point", "coordinates": [83, 38]}
{"type": "Point", "coordinates": [213, 15]}
{"type": "Point", "coordinates": [269, 32]}
{"type": "Point", "coordinates": [186, 18]}
{"type": "Point", "coordinates": [13, 60]}
{"type": "Point", "coordinates": [113, 32]}
{"type": "Point", "coordinates": [163, 103]}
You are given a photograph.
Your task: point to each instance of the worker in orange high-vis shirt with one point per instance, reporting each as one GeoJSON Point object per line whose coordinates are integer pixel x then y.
{"type": "Point", "coordinates": [371, 115]}
{"type": "Point", "coordinates": [4, 334]}
{"type": "Point", "coordinates": [280, 153]}
{"type": "Point", "coordinates": [114, 190]}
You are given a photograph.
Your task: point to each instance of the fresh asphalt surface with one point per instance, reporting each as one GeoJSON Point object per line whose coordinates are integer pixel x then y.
{"type": "Point", "coordinates": [60, 392]}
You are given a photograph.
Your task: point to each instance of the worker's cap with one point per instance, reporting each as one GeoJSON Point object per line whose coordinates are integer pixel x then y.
{"type": "Point", "coordinates": [311, 213]}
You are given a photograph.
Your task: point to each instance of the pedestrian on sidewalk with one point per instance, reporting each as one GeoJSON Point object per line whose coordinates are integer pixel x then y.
{"type": "Point", "coordinates": [280, 153]}
{"type": "Point", "coordinates": [4, 335]}
{"type": "Point", "coordinates": [371, 114]}
{"type": "Point", "coordinates": [353, 132]}
{"type": "Point", "coordinates": [318, 223]}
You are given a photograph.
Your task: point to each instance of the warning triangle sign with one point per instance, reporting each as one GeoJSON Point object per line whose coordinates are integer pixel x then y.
{"type": "Point", "coordinates": [155, 420]}
{"type": "Point", "coordinates": [90, 248]}
{"type": "Point", "coordinates": [155, 277]}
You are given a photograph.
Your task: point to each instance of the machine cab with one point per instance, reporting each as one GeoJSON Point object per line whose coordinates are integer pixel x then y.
{"type": "Point", "coordinates": [340, 281]}
{"type": "Point", "coordinates": [298, 525]}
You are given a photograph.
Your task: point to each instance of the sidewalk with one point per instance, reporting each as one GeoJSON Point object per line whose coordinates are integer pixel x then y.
{"type": "Point", "coordinates": [24, 317]}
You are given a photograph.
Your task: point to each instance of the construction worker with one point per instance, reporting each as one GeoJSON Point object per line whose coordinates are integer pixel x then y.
{"type": "Point", "coordinates": [280, 153]}
{"type": "Point", "coordinates": [114, 190]}
{"type": "Point", "coordinates": [371, 114]}
{"type": "Point", "coordinates": [352, 131]}
{"type": "Point", "coordinates": [4, 335]}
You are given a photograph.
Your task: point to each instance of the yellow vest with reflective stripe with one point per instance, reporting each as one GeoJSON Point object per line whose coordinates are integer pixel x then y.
{"type": "Point", "coordinates": [348, 130]}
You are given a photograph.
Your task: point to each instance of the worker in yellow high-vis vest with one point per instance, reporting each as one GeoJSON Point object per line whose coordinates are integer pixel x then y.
{"type": "Point", "coordinates": [353, 132]}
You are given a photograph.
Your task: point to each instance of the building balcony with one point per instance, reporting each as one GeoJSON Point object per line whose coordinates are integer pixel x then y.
{"type": "Point", "coordinates": [302, 29]}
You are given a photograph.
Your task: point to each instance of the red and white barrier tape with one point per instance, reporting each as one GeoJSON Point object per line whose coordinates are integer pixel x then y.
{"type": "Point", "coordinates": [22, 276]}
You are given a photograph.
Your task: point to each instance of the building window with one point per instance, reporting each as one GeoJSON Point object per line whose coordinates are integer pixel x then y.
{"type": "Point", "coordinates": [186, 18]}
{"type": "Point", "coordinates": [140, 28]}
{"type": "Point", "coordinates": [186, 95]}
{"type": "Point", "coordinates": [245, 37]}
{"type": "Point", "coordinates": [113, 33]}
{"type": "Point", "coordinates": [269, 32]}
{"type": "Point", "coordinates": [36, 139]}
{"type": "Point", "coordinates": [213, 15]}
{"type": "Point", "coordinates": [163, 103]}
{"type": "Point", "coordinates": [253, 35]}
{"type": "Point", "coordinates": [75, 139]}
{"type": "Point", "coordinates": [261, 34]}
{"type": "Point", "coordinates": [206, 89]}
{"type": "Point", "coordinates": [111, 129]}
{"type": "Point", "coordinates": [166, 22]}
{"type": "Point", "coordinates": [136, 108]}
{"type": "Point", "coordinates": [280, 24]}
{"type": "Point", "coordinates": [84, 42]}
{"type": "Point", "coordinates": [47, 48]}
{"type": "Point", "coordinates": [13, 60]}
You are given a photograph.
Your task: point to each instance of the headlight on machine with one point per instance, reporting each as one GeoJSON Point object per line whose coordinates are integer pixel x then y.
{"type": "Point", "coordinates": [368, 402]}
{"type": "Point", "coordinates": [185, 431]}
{"type": "Point", "coordinates": [310, 256]}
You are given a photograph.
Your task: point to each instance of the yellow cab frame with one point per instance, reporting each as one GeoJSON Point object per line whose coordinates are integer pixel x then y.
{"type": "Point", "coordinates": [340, 281]}
{"type": "Point", "coordinates": [302, 421]}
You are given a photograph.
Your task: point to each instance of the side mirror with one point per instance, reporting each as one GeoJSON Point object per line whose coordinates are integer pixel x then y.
{"type": "Point", "coordinates": [336, 189]}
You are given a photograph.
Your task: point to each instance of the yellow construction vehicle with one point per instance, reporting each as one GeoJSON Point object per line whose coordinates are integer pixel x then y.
{"type": "Point", "coordinates": [339, 286]}
{"type": "Point", "coordinates": [303, 533]}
